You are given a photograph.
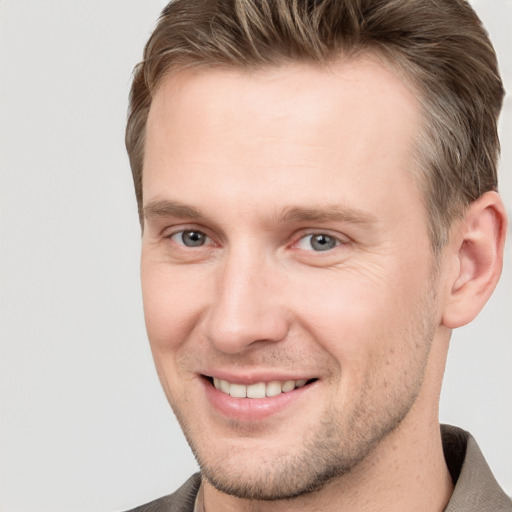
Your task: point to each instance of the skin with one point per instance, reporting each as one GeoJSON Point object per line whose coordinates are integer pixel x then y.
{"type": "Point", "coordinates": [257, 163]}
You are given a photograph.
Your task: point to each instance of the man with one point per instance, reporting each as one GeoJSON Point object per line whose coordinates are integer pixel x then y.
{"type": "Point", "coordinates": [316, 183]}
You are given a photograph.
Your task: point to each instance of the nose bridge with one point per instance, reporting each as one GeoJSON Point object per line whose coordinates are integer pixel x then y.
{"type": "Point", "coordinates": [245, 306]}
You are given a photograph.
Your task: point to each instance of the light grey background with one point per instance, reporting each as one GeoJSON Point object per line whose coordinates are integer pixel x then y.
{"type": "Point", "coordinates": [84, 425]}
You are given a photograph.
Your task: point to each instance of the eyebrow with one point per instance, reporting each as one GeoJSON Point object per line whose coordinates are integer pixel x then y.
{"type": "Point", "coordinates": [328, 213]}
{"type": "Point", "coordinates": [165, 208]}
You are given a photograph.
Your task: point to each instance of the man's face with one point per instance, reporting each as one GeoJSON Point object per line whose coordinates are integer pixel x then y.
{"type": "Point", "coordinates": [285, 253]}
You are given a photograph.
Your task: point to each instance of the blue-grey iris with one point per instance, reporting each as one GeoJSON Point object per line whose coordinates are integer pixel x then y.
{"type": "Point", "coordinates": [193, 238]}
{"type": "Point", "coordinates": [322, 242]}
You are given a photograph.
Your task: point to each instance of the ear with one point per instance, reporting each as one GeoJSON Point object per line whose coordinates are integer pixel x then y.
{"type": "Point", "coordinates": [477, 252]}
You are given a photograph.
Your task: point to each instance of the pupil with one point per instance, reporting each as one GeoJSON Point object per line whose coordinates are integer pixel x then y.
{"type": "Point", "coordinates": [322, 242]}
{"type": "Point", "coordinates": [193, 238]}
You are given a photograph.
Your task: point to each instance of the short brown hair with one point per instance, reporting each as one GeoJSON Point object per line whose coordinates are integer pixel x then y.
{"type": "Point", "coordinates": [439, 46]}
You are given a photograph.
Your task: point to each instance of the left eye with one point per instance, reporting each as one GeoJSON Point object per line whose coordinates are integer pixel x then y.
{"type": "Point", "coordinates": [190, 238]}
{"type": "Point", "coordinates": [317, 242]}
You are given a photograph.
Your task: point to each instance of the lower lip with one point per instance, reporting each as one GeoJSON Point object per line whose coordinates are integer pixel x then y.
{"type": "Point", "coordinates": [251, 409]}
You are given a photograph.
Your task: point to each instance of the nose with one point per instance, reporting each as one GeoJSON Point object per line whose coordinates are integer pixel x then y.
{"type": "Point", "coordinates": [247, 305]}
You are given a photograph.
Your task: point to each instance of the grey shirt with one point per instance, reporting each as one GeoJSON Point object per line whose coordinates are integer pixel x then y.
{"type": "Point", "coordinates": [476, 489]}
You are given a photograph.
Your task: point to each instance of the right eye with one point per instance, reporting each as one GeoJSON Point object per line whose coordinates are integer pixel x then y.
{"type": "Point", "coordinates": [190, 238]}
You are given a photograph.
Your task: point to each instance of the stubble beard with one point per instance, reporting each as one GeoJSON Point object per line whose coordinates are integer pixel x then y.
{"type": "Point", "coordinates": [287, 476]}
{"type": "Point", "coordinates": [334, 449]}
{"type": "Point", "coordinates": [330, 452]}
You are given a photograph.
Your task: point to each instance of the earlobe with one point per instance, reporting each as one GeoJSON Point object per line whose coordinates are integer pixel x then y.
{"type": "Point", "coordinates": [477, 246]}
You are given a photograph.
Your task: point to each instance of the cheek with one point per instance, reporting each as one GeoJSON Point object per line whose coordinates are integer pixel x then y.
{"type": "Point", "coordinates": [360, 318]}
{"type": "Point", "coordinates": [170, 314]}
{"type": "Point", "coordinates": [171, 306]}
{"type": "Point", "coordinates": [342, 305]}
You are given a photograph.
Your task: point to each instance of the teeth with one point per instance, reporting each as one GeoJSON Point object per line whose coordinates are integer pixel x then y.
{"type": "Point", "coordinates": [238, 390]}
{"type": "Point", "coordinates": [224, 386]}
{"type": "Point", "coordinates": [288, 386]}
{"type": "Point", "coordinates": [274, 388]}
{"type": "Point", "coordinates": [258, 390]}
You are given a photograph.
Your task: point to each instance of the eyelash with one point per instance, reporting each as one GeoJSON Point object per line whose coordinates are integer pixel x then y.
{"type": "Point", "coordinates": [182, 232]}
{"type": "Point", "coordinates": [320, 237]}
{"type": "Point", "coordinates": [330, 241]}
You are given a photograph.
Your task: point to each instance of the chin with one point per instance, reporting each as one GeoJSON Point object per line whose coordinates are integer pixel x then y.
{"type": "Point", "coordinates": [290, 472]}
{"type": "Point", "coordinates": [288, 481]}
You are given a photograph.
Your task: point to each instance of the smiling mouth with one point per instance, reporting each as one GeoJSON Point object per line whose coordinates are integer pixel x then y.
{"type": "Point", "coordinates": [258, 389]}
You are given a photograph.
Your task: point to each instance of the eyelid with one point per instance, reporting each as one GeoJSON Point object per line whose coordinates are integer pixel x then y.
{"type": "Point", "coordinates": [176, 238]}
{"type": "Point", "coordinates": [339, 239]}
{"type": "Point", "coordinates": [171, 232]}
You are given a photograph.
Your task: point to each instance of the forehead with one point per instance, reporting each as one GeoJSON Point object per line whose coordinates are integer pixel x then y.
{"type": "Point", "coordinates": [283, 127]}
{"type": "Point", "coordinates": [366, 86]}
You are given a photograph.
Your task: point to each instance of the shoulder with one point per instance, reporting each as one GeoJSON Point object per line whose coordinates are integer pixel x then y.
{"type": "Point", "coordinates": [180, 501]}
{"type": "Point", "coordinates": [476, 489]}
